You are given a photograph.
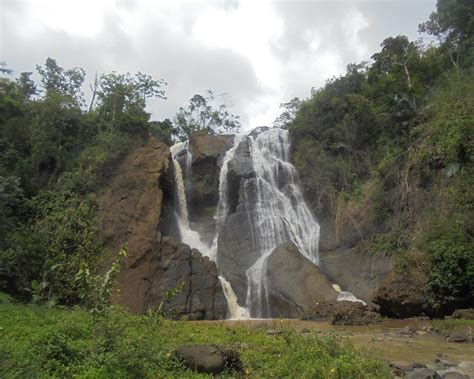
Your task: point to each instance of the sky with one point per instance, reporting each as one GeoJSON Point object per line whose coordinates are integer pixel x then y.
{"type": "Point", "coordinates": [261, 53]}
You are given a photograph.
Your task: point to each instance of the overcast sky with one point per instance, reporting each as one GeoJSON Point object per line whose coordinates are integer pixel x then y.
{"type": "Point", "coordinates": [262, 53]}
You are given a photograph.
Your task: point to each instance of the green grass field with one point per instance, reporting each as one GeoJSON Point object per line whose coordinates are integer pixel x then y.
{"type": "Point", "coordinates": [39, 342]}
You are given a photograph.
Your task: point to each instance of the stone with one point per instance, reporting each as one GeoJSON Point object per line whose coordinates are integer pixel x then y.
{"type": "Point", "coordinates": [294, 283]}
{"type": "Point", "coordinates": [455, 375]}
{"type": "Point", "coordinates": [464, 335]}
{"type": "Point", "coordinates": [342, 313]}
{"type": "Point", "coordinates": [403, 295]}
{"type": "Point", "coordinates": [350, 313]}
{"type": "Point", "coordinates": [209, 359]}
{"type": "Point", "coordinates": [401, 368]}
{"type": "Point", "coordinates": [467, 314]}
{"type": "Point", "coordinates": [419, 327]}
{"type": "Point", "coordinates": [423, 373]}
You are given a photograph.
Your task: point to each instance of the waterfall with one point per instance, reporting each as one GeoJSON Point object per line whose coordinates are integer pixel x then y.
{"type": "Point", "coordinates": [236, 312]}
{"type": "Point", "coordinates": [188, 236]}
{"type": "Point", "coordinates": [275, 209]}
{"type": "Point", "coordinates": [273, 205]}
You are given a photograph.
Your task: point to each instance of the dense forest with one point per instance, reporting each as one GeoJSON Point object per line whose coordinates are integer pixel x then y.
{"type": "Point", "coordinates": [386, 148]}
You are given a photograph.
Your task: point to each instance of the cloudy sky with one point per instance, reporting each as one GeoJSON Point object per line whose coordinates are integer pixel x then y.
{"type": "Point", "coordinates": [260, 52]}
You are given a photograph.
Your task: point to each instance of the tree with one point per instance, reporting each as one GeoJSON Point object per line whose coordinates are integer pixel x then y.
{"type": "Point", "coordinates": [163, 130]}
{"type": "Point", "coordinates": [26, 85]}
{"type": "Point", "coordinates": [205, 115]}
{"type": "Point", "coordinates": [396, 51]}
{"type": "Point", "coordinates": [452, 24]}
{"type": "Point", "coordinates": [68, 83]}
{"type": "Point", "coordinates": [123, 98]}
{"type": "Point", "coordinates": [290, 109]}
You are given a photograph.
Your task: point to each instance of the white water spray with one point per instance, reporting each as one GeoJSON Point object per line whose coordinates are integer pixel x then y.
{"type": "Point", "coordinates": [188, 236]}
{"type": "Point", "coordinates": [236, 312]}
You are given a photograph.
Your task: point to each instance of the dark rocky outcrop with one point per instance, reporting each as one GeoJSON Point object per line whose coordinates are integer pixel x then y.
{"type": "Point", "coordinates": [403, 295]}
{"type": "Point", "coordinates": [209, 359]}
{"type": "Point", "coordinates": [294, 283]}
{"type": "Point", "coordinates": [132, 211]}
{"type": "Point", "coordinates": [202, 185]}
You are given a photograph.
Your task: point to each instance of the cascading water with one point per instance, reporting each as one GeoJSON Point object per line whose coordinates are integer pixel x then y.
{"type": "Point", "coordinates": [275, 209]}
{"type": "Point", "coordinates": [236, 312]}
{"type": "Point", "coordinates": [188, 236]}
{"type": "Point", "coordinates": [276, 212]}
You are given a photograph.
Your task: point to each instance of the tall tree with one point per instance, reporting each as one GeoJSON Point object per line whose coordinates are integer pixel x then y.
{"type": "Point", "coordinates": [288, 114]}
{"type": "Point", "coordinates": [123, 98]}
{"type": "Point", "coordinates": [453, 25]}
{"type": "Point", "coordinates": [67, 82]}
{"type": "Point", "coordinates": [206, 114]}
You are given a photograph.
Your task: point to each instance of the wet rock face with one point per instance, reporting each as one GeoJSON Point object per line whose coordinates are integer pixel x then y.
{"type": "Point", "coordinates": [237, 250]}
{"type": "Point", "coordinates": [131, 212]}
{"type": "Point", "coordinates": [202, 185]}
{"type": "Point", "coordinates": [356, 271]}
{"type": "Point", "coordinates": [294, 283]}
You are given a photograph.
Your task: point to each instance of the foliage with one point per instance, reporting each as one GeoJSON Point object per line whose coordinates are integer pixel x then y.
{"type": "Point", "coordinates": [403, 122]}
{"type": "Point", "coordinates": [46, 253]}
{"type": "Point", "coordinates": [54, 156]}
{"type": "Point", "coordinates": [41, 342]}
{"type": "Point", "coordinates": [205, 116]}
{"type": "Point", "coordinates": [122, 100]}
{"type": "Point", "coordinates": [290, 109]}
{"type": "Point", "coordinates": [58, 81]}
{"type": "Point", "coordinates": [95, 291]}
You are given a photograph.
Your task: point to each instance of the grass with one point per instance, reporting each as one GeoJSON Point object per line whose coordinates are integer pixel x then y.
{"type": "Point", "coordinates": [38, 342]}
{"type": "Point", "coordinates": [448, 326]}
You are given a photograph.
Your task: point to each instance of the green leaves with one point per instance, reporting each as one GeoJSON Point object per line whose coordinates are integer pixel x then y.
{"type": "Point", "coordinates": [95, 291]}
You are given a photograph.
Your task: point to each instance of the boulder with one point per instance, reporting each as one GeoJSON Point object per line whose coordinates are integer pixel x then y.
{"type": "Point", "coordinates": [464, 335]}
{"type": "Point", "coordinates": [417, 326]}
{"type": "Point", "coordinates": [351, 313]}
{"type": "Point", "coordinates": [455, 375]}
{"type": "Point", "coordinates": [402, 368]}
{"type": "Point", "coordinates": [423, 373]}
{"type": "Point", "coordinates": [132, 211]}
{"type": "Point", "coordinates": [467, 314]}
{"type": "Point", "coordinates": [209, 359]}
{"type": "Point", "coordinates": [294, 284]}
{"type": "Point", "coordinates": [342, 313]}
{"type": "Point", "coordinates": [404, 294]}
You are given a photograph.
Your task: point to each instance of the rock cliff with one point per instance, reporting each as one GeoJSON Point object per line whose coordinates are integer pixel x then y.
{"type": "Point", "coordinates": [133, 212]}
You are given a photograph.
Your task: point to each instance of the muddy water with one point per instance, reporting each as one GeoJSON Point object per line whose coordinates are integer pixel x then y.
{"type": "Point", "coordinates": [383, 336]}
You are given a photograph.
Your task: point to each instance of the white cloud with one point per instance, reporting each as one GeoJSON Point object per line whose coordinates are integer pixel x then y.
{"type": "Point", "coordinates": [261, 52]}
